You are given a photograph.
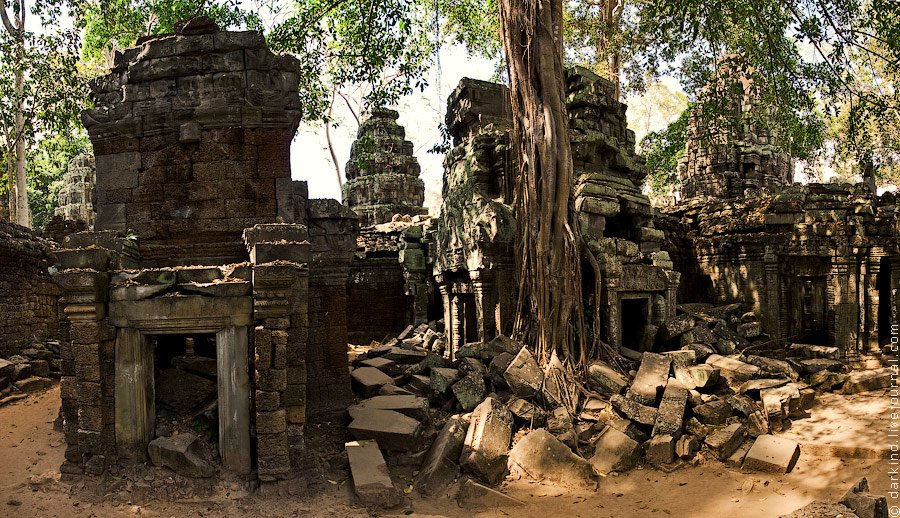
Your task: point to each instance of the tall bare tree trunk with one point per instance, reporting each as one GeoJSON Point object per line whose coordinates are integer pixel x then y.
{"type": "Point", "coordinates": [547, 248]}
{"type": "Point", "coordinates": [18, 195]}
{"type": "Point", "coordinates": [23, 212]}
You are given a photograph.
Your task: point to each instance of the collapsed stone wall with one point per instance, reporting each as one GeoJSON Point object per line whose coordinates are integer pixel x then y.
{"type": "Point", "coordinates": [28, 296]}
{"type": "Point", "coordinates": [383, 174]}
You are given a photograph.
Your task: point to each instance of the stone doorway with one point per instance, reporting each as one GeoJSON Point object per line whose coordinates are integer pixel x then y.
{"type": "Point", "coordinates": [883, 283]}
{"type": "Point", "coordinates": [185, 374]}
{"type": "Point", "coordinates": [635, 315]}
{"type": "Point", "coordinates": [135, 389]}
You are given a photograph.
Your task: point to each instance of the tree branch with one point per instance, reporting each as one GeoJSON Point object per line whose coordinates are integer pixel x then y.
{"type": "Point", "coordinates": [4, 16]}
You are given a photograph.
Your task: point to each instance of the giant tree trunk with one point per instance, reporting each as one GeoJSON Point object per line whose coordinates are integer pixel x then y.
{"type": "Point", "coordinates": [549, 304]}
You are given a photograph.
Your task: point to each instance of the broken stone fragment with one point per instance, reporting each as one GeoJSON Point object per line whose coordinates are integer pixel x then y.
{"type": "Point", "coordinates": [771, 454]}
{"type": "Point", "coordinates": [749, 330]}
{"type": "Point", "coordinates": [651, 378]}
{"type": "Point", "coordinates": [392, 430]}
{"type": "Point", "coordinates": [660, 450]}
{"type": "Point", "coordinates": [441, 465]}
{"type": "Point", "coordinates": [773, 367]}
{"type": "Point", "coordinates": [633, 410]}
{"type": "Point", "coordinates": [371, 480]}
{"type": "Point", "coordinates": [702, 351]}
{"type": "Point", "coordinates": [559, 423]}
{"type": "Point", "coordinates": [408, 405]}
{"type": "Point", "coordinates": [733, 370]}
{"type": "Point", "coordinates": [754, 386]}
{"type": "Point", "coordinates": [817, 364]}
{"type": "Point", "coordinates": [405, 356]}
{"type": "Point", "coordinates": [557, 389]}
{"type": "Point", "coordinates": [442, 379]}
{"type": "Point", "coordinates": [614, 451]}
{"type": "Point", "coordinates": [670, 417]}
{"type": "Point", "coordinates": [605, 379]}
{"type": "Point", "coordinates": [471, 365]}
{"type": "Point", "coordinates": [715, 412]}
{"type": "Point", "coordinates": [497, 367]}
{"type": "Point", "coordinates": [725, 440]}
{"type": "Point", "coordinates": [182, 454]}
{"type": "Point", "coordinates": [736, 459]}
{"type": "Point", "coordinates": [865, 504]}
{"type": "Point", "coordinates": [419, 384]}
{"type": "Point", "coordinates": [697, 376]}
{"type": "Point", "coordinates": [469, 391]}
{"type": "Point", "coordinates": [368, 380]}
{"type": "Point", "coordinates": [541, 456]}
{"type": "Point", "coordinates": [675, 327]}
{"type": "Point", "coordinates": [820, 509]}
{"type": "Point", "coordinates": [484, 452]}
{"type": "Point", "coordinates": [686, 446]}
{"type": "Point", "coordinates": [827, 380]}
{"type": "Point", "coordinates": [865, 381]}
{"type": "Point", "coordinates": [393, 390]}
{"type": "Point", "coordinates": [523, 375]}
{"type": "Point", "coordinates": [533, 415]}
{"type": "Point", "coordinates": [431, 361]}
{"type": "Point", "coordinates": [815, 351]}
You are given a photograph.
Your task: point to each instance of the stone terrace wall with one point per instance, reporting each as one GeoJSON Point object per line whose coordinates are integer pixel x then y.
{"type": "Point", "coordinates": [28, 297]}
{"type": "Point", "coordinates": [191, 134]}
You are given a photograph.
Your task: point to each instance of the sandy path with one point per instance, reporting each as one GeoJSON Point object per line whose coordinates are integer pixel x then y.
{"type": "Point", "coordinates": [31, 453]}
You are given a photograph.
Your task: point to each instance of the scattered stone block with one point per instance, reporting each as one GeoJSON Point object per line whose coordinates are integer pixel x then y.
{"type": "Point", "coordinates": [485, 449]}
{"type": "Point", "coordinates": [771, 454]}
{"type": "Point", "coordinates": [702, 351]}
{"type": "Point", "coordinates": [559, 423]}
{"type": "Point", "coordinates": [827, 380]}
{"type": "Point", "coordinates": [670, 417]}
{"type": "Point", "coordinates": [181, 453]}
{"type": "Point", "coordinates": [757, 424]}
{"type": "Point", "coordinates": [442, 379]}
{"type": "Point", "coordinates": [742, 404]}
{"type": "Point", "coordinates": [819, 509]}
{"type": "Point", "coordinates": [697, 376]}
{"type": "Point", "coordinates": [393, 390]}
{"type": "Point", "coordinates": [33, 384]}
{"type": "Point", "coordinates": [779, 402]}
{"type": "Point", "coordinates": [651, 378]}
{"type": "Point", "coordinates": [534, 416]}
{"type": "Point", "coordinates": [755, 385]}
{"type": "Point", "coordinates": [469, 391]}
{"type": "Point", "coordinates": [749, 330]}
{"type": "Point", "coordinates": [736, 459]}
{"type": "Point", "coordinates": [687, 446]}
{"type": "Point", "coordinates": [408, 405]}
{"type": "Point", "coordinates": [441, 465]}
{"type": "Point", "coordinates": [605, 379]}
{"type": "Point", "coordinates": [725, 440]}
{"type": "Point", "coordinates": [660, 450]}
{"type": "Point", "coordinates": [392, 430]}
{"type": "Point", "coordinates": [865, 504]}
{"type": "Point", "coordinates": [473, 494]}
{"type": "Point", "coordinates": [7, 368]}
{"type": "Point", "coordinates": [405, 356]}
{"type": "Point", "coordinates": [773, 367]}
{"type": "Point", "coordinates": [633, 410]}
{"type": "Point", "coordinates": [523, 375]}
{"type": "Point", "coordinates": [868, 380]}
{"type": "Point", "coordinates": [497, 367]}
{"type": "Point", "coordinates": [541, 456]}
{"type": "Point", "coordinates": [614, 451]}
{"type": "Point", "coordinates": [817, 364]}
{"type": "Point", "coordinates": [815, 351]}
{"type": "Point", "coordinates": [733, 370]}
{"type": "Point", "coordinates": [368, 380]}
{"type": "Point", "coordinates": [715, 412]}
{"type": "Point", "coordinates": [371, 480]}
{"type": "Point", "coordinates": [675, 327]}
{"type": "Point", "coordinates": [419, 384]}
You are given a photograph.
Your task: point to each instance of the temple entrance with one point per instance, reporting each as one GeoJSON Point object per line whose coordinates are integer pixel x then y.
{"type": "Point", "coordinates": [634, 317]}
{"type": "Point", "coordinates": [885, 301]}
{"type": "Point", "coordinates": [469, 323]}
{"type": "Point", "coordinates": [806, 283]}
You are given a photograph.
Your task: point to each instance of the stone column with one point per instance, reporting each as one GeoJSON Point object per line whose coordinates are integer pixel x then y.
{"type": "Point", "coordinates": [455, 327]}
{"type": "Point", "coordinates": [870, 309]}
{"type": "Point", "coordinates": [234, 398]}
{"type": "Point", "coordinates": [135, 406]}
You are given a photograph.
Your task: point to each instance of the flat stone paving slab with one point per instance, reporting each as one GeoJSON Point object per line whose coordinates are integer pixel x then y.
{"type": "Point", "coordinates": [772, 454]}
{"type": "Point", "coordinates": [392, 430]}
{"type": "Point", "coordinates": [371, 479]}
{"type": "Point", "coordinates": [369, 380]}
{"type": "Point", "coordinates": [412, 406]}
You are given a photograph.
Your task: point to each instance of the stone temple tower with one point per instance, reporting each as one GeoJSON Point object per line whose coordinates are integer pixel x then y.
{"type": "Point", "coordinates": [75, 195]}
{"type": "Point", "coordinates": [382, 174]}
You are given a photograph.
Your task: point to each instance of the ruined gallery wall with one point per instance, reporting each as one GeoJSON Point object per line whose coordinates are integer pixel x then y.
{"type": "Point", "coordinates": [28, 296]}
{"type": "Point", "coordinates": [377, 299]}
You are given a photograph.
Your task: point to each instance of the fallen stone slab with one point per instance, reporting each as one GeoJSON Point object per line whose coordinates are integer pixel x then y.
{"type": "Point", "coordinates": [818, 364]}
{"type": "Point", "coordinates": [408, 405]}
{"type": "Point", "coordinates": [523, 375]}
{"type": "Point", "coordinates": [868, 380]}
{"type": "Point", "coordinates": [725, 440]}
{"type": "Point", "coordinates": [419, 384]}
{"type": "Point", "coordinates": [755, 385]}
{"type": "Point", "coordinates": [533, 415]}
{"type": "Point", "coordinates": [485, 448]}
{"type": "Point", "coordinates": [441, 465]}
{"type": "Point", "coordinates": [827, 380]}
{"type": "Point", "coordinates": [865, 504]}
{"type": "Point", "coordinates": [393, 390]}
{"type": "Point", "coordinates": [702, 351]}
{"type": "Point", "coordinates": [633, 410]}
{"type": "Point", "coordinates": [771, 454]}
{"type": "Point", "coordinates": [715, 412]}
{"type": "Point", "coordinates": [697, 376]}
{"type": "Point", "coordinates": [469, 391]}
{"type": "Point", "coordinates": [180, 453]}
{"type": "Point", "coordinates": [614, 451]}
{"type": "Point", "coordinates": [541, 456]}
{"type": "Point", "coordinates": [660, 450]}
{"type": "Point", "coordinates": [442, 379]}
{"type": "Point", "coordinates": [605, 379]}
{"type": "Point", "coordinates": [405, 356]}
{"type": "Point", "coordinates": [773, 367]}
{"type": "Point", "coordinates": [733, 370]}
{"type": "Point", "coordinates": [33, 384]}
{"type": "Point", "coordinates": [815, 351]}
{"type": "Point", "coordinates": [472, 494]}
{"type": "Point", "coordinates": [687, 446]}
{"type": "Point", "coordinates": [677, 326]}
{"type": "Point", "coordinates": [681, 357]}
{"type": "Point", "coordinates": [820, 509]}
{"type": "Point", "coordinates": [742, 404]}
{"type": "Point", "coordinates": [7, 368]}
{"type": "Point", "coordinates": [736, 459]}
{"type": "Point", "coordinates": [380, 363]}
{"type": "Point", "coordinates": [368, 380]}
{"type": "Point", "coordinates": [497, 367]}
{"type": "Point", "coordinates": [392, 430]}
{"type": "Point", "coordinates": [670, 416]}
{"type": "Point", "coordinates": [651, 379]}
{"type": "Point", "coordinates": [431, 361]}
{"type": "Point", "coordinates": [779, 402]}
{"type": "Point", "coordinates": [371, 480]}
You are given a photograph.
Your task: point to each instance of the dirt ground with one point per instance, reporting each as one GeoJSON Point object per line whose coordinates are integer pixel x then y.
{"type": "Point", "coordinates": [31, 453]}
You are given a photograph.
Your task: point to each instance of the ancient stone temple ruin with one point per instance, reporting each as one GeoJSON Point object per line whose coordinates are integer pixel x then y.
{"type": "Point", "coordinates": [383, 174]}
{"type": "Point", "coordinates": [75, 195]}
{"type": "Point", "coordinates": [210, 284]}
{"type": "Point", "coordinates": [28, 296]}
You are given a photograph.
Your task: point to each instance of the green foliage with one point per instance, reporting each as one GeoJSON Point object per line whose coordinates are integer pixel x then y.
{"type": "Point", "coordinates": [47, 163]}
{"type": "Point", "coordinates": [662, 150]}
{"type": "Point", "coordinates": [380, 46]}
{"type": "Point", "coordinates": [116, 24]}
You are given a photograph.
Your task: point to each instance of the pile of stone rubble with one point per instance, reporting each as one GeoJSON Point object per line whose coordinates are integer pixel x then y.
{"type": "Point", "coordinates": [493, 410]}
{"type": "Point", "coordinates": [858, 502]}
{"type": "Point", "coordinates": [32, 370]}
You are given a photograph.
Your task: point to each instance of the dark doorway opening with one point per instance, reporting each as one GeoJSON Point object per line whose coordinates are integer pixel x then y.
{"type": "Point", "coordinates": [885, 302]}
{"type": "Point", "coordinates": [469, 316]}
{"type": "Point", "coordinates": [186, 387]}
{"type": "Point", "coordinates": [635, 315]}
